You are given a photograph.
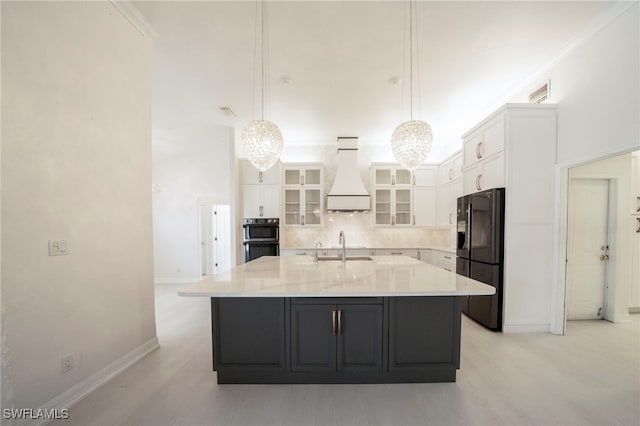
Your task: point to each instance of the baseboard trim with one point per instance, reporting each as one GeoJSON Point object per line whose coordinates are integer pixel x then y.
{"type": "Point", "coordinates": [77, 392]}
{"type": "Point", "coordinates": [176, 280]}
{"type": "Point", "coordinates": [526, 328]}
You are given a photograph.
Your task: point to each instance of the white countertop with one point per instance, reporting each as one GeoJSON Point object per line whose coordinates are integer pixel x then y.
{"type": "Point", "coordinates": [300, 276]}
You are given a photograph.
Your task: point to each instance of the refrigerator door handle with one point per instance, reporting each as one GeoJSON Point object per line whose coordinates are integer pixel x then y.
{"type": "Point", "coordinates": [468, 230]}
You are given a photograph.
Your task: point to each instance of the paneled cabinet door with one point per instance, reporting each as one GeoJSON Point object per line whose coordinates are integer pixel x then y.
{"type": "Point", "coordinates": [271, 200]}
{"type": "Point", "coordinates": [425, 206]}
{"type": "Point", "coordinates": [445, 197]}
{"type": "Point", "coordinates": [252, 197]}
{"type": "Point", "coordinates": [329, 338]}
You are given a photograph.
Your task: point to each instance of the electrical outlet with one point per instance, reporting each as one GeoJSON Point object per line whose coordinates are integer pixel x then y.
{"type": "Point", "coordinates": [67, 363]}
{"type": "Point", "coordinates": [58, 248]}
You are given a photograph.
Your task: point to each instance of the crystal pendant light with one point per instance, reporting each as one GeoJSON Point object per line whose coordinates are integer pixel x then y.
{"type": "Point", "coordinates": [411, 140]}
{"type": "Point", "coordinates": [262, 139]}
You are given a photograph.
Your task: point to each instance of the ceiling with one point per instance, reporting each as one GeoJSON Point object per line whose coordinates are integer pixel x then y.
{"type": "Point", "coordinates": [331, 64]}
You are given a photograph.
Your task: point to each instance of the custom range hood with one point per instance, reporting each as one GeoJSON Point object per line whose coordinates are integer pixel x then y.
{"type": "Point", "coordinates": [348, 192]}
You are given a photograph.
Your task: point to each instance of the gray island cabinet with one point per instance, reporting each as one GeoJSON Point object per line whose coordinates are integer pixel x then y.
{"type": "Point", "coordinates": [292, 320]}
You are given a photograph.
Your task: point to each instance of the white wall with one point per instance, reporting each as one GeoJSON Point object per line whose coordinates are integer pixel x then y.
{"type": "Point", "coordinates": [618, 169]}
{"type": "Point", "coordinates": [76, 165]}
{"type": "Point", "coordinates": [596, 87]}
{"type": "Point", "coordinates": [188, 164]}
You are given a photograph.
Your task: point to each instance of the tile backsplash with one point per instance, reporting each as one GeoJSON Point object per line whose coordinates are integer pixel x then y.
{"type": "Point", "coordinates": [358, 232]}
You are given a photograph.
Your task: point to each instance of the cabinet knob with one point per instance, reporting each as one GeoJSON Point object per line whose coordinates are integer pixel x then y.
{"type": "Point", "coordinates": [260, 177]}
{"type": "Point", "coordinates": [333, 322]}
{"type": "Point", "coordinates": [450, 174]}
{"type": "Point", "coordinates": [478, 150]}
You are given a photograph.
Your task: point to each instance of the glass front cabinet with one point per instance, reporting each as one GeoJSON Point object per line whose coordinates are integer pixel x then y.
{"type": "Point", "coordinates": [302, 192]}
{"type": "Point", "coordinates": [393, 196]}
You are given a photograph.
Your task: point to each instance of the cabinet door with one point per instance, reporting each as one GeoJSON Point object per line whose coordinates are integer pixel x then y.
{"type": "Point", "coordinates": [426, 176]}
{"type": "Point", "coordinates": [445, 172]}
{"type": "Point", "coordinates": [445, 195]}
{"type": "Point", "coordinates": [359, 338]}
{"type": "Point", "coordinates": [292, 177]}
{"type": "Point", "coordinates": [471, 149]}
{"type": "Point", "coordinates": [492, 137]}
{"type": "Point", "coordinates": [313, 343]}
{"type": "Point", "coordinates": [270, 201]}
{"type": "Point", "coordinates": [251, 175]}
{"type": "Point", "coordinates": [634, 293]}
{"type": "Point", "coordinates": [471, 179]}
{"type": "Point", "coordinates": [424, 206]}
{"type": "Point", "coordinates": [402, 207]}
{"type": "Point", "coordinates": [456, 166]}
{"type": "Point", "coordinates": [250, 331]}
{"type": "Point", "coordinates": [402, 177]}
{"type": "Point", "coordinates": [312, 176]}
{"type": "Point", "coordinates": [252, 201]}
{"type": "Point", "coordinates": [382, 176]}
{"type": "Point", "coordinates": [312, 207]}
{"type": "Point", "coordinates": [424, 332]}
{"type": "Point", "coordinates": [383, 207]}
{"type": "Point", "coordinates": [492, 175]}
{"type": "Point", "coordinates": [292, 206]}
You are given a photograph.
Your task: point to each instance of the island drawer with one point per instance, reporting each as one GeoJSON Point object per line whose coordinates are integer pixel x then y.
{"type": "Point", "coordinates": [336, 300]}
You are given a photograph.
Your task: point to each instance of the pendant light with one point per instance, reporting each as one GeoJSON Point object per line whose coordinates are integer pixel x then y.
{"type": "Point", "coordinates": [262, 139]}
{"type": "Point", "coordinates": [411, 140]}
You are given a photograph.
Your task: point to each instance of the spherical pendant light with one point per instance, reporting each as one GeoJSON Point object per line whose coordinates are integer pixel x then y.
{"type": "Point", "coordinates": [262, 142]}
{"type": "Point", "coordinates": [411, 140]}
{"type": "Point", "coordinates": [411, 143]}
{"type": "Point", "coordinates": [261, 139]}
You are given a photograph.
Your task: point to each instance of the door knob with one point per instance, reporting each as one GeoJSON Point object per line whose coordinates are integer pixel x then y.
{"type": "Point", "coordinates": [604, 257]}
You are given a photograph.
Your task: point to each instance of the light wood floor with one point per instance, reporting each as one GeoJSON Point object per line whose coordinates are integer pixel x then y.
{"type": "Point", "coordinates": [591, 376]}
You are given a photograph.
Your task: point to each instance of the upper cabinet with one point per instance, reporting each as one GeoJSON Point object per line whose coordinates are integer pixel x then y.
{"type": "Point", "coordinates": [403, 199]}
{"type": "Point", "coordinates": [260, 191]}
{"type": "Point", "coordinates": [392, 196]}
{"type": "Point", "coordinates": [302, 193]}
{"type": "Point", "coordinates": [635, 183]}
{"type": "Point", "coordinates": [449, 189]}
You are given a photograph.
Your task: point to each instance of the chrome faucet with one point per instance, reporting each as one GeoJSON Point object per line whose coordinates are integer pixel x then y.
{"type": "Point", "coordinates": [341, 241]}
{"type": "Point", "coordinates": [315, 258]}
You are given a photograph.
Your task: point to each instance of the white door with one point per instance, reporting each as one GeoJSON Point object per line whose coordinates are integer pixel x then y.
{"type": "Point", "coordinates": [221, 238]}
{"type": "Point", "coordinates": [587, 247]}
{"type": "Point", "coordinates": [206, 239]}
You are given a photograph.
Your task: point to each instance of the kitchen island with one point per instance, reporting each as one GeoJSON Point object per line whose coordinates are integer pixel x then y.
{"type": "Point", "coordinates": [378, 319]}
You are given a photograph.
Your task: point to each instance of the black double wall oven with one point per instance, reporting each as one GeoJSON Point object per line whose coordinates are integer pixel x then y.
{"type": "Point", "coordinates": [261, 237]}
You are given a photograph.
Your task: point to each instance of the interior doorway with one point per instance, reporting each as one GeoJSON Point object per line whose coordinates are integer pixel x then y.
{"type": "Point", "coordinates": [620, 175]}
{"type": "Point", "coordinates": [215, 237]}
{"type": "Point", "coordinates": [587, 249]}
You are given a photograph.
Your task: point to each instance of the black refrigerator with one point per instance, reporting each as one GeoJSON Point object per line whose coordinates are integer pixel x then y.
{"type": "Point", "coordinates": [480, 251]}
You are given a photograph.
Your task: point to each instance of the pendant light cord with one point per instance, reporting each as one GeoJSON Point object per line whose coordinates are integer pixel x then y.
{"type": "Point", "coordinates": [410, 60]}
{"type": "Point", "coordinates": [263, 55]}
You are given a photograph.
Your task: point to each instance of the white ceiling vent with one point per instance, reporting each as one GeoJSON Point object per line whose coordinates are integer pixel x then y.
{"type": "Point", "coordinates": [540, 94]}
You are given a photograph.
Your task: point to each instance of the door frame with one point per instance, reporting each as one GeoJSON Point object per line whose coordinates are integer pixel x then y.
{"type": "Point", "coordinates": [211, 202]}
{"type": "Point", "coordinates": [560, 228]}
{"type": "Point", "coordinates": [609, 278]}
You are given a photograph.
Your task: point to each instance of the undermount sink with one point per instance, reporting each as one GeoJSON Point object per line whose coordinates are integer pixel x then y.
{"type": "Point", "coordinates": [347, 258]}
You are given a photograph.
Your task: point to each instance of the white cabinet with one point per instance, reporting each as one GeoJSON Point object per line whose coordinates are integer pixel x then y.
{"type": "Point", "coordinates": [635, 183]}
{"type": "Point", "coordinates": [485, 141]}
{"type": "Point", "coordinates": [251, 175]}
{"type": "Point", "coordinates": [261, 201]}
{"type": "Point", "coordinates": [485, 174]}
{"type": "Point", "coordinates": [260, 191]}
{"type": "Point", "coordinates": [302, 193]}
{"type": "Point", "coordinates": [443, 260]}
{"type": "Point", "coordinates": [424, 255]}
{"type": "Point", "coordinates": [515, 148]}
{"type": "Point", "coordinates": [395, 252]}
{"type": "Point", "coordinates": [449, 189]}
{"type": "Point", "coordinates": [425, 196]}
{"type": "Point", "coordinates": [392, 196]}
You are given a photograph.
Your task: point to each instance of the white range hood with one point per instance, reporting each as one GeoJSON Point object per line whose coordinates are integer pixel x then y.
{"type": "Point", "coordinates": [348, 192]}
